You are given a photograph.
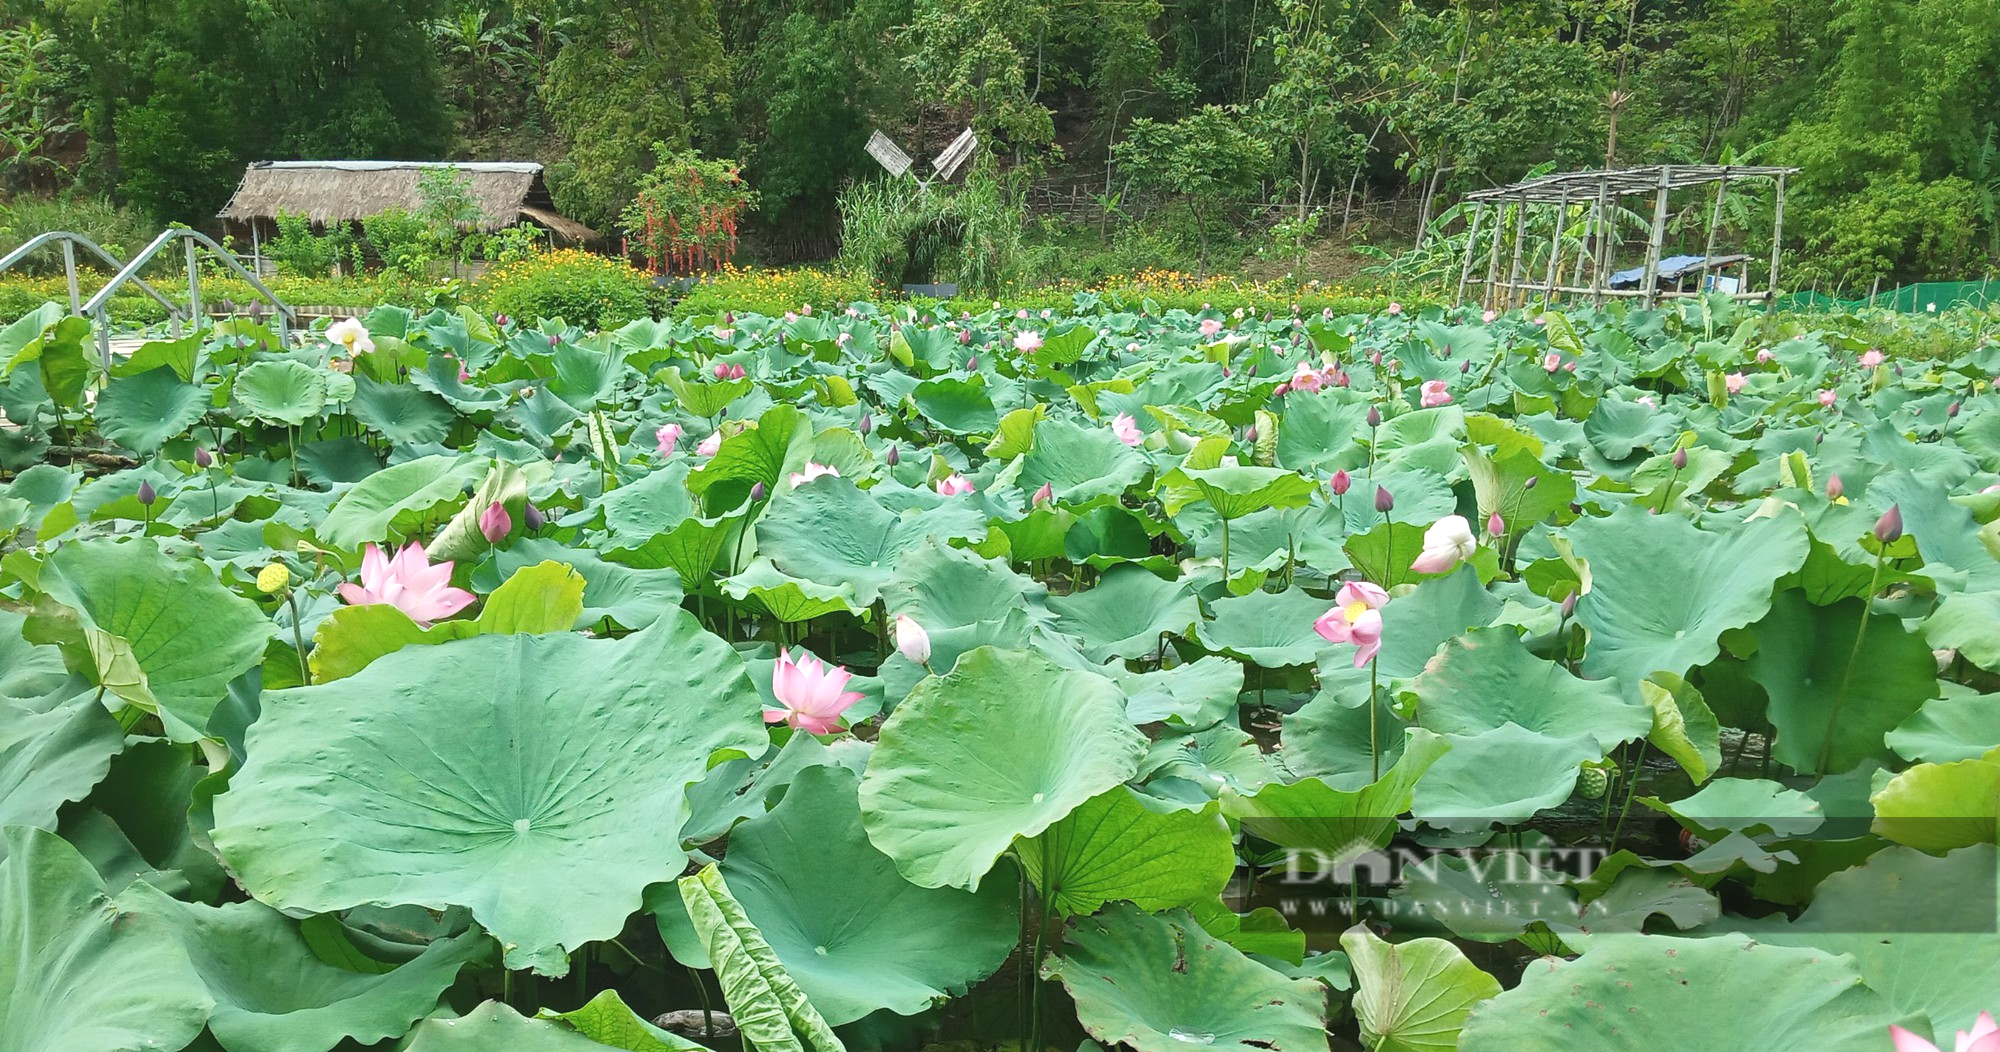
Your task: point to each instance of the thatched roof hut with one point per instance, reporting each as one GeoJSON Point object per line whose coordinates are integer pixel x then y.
{"type": "Point", "coordinates": [346, 191]}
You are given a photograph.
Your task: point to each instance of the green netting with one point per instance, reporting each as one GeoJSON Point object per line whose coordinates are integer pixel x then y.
{"type": "Point", "coordinates": [1921, 298]}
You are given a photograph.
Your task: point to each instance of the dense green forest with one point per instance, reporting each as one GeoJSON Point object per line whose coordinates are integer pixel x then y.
{"type": "Point", "coordinates": [1127, 132]}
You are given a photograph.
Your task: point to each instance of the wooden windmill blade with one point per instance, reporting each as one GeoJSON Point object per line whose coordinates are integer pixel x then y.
{"type": "Point", "coordinates": [954, 156]}
{"type": "Point", "coordinates": [888, 154]}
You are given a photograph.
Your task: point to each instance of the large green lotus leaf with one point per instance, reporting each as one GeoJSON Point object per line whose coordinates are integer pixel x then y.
{"type": "Point", "coordinates": [834, 534]}
{"type": "Point", "coordinates": [1122, 846]}
{"type": "Point", "coordinates": [1497, 897]}
{"type": "Point", "coordinates": [959, 405]}
{"type": "Point", "coordinates": [273, 994]}
{"type": "Point", "coordinates": [1271, 629]}
{"type": "Point", "coordinates": [542, 814]}
{"type": "Point", "coordinates": [1947, 535]}
{"type": "Point", "coordinates": [1506, 774]}
{"type": "Point", "coordinates": [769, 1008]}
{"type": "Point", "coordinates": [1329, 738]}
{"type": "Point", "coordinates": [1080, 464]}
{"type": "Point", "coordinates": [1487, 678]}
{"type": "Point", "coordinates": [1162, 984]}
{"type": "Point", "coordinates": [27, 672]}
{"type": "Point", "coordinates": [400, 500]}
{"type": "Point", "coordinates": [493, 1027]}
{"type": "Point", "coordinates": [1413, 996]}
{"type": "Point", "coordinates": [80, 973]}
{"type": "Point", "coordinates": [607, 1020]}
{"type": "Point", "coordinates": [1335, 823]}
{"type": "Point", "coordinates": [1209, 760]}
{"type": "Point", "coordinates": [402, 413]}
{"type": "Point", "coordinates": [135, 824]}
{"type": "Point", "coordinates": [1940, 806]}
{"type": "Point", "coordinates": [1323, 432]}
{"type": "Point", "coordinates": [655, 523]}
{"type": "Point", "coordinates": [1969, 623]}
{"type": "Point", "coordinates": [633, 598]}
{"type": "Point", "coordinates": [1518, 486]}
{"type": "Point", "coordinates": [788, 599]}
{"type": "Point", "coordinates": [701, 397]}
{"type": "Point", "coordinates": [1002, 747]}
{"type": "Point", "coordinates": [159, 632]}
{"type": "Point", "coordinates": [1684, 727]}
{"type": "Point", "coordinates": [1744, 805]}
{"type": "Point", "coordinates": [1237, 491]}
{"type": "Point", "coordinates": [1663, 592]}
{"type": "Point", "coordinates": [1919, 928]}
{"type": "Point", "coordinates": [178, 355]}
{"type": "Point", "coordinates": [768, 453]}
{"type": "Point", "coordinates": [142, 412]}
{"type": "Point", "coordinates": [1958, 726]}
{"type": "Point", "coordinates": [281, 392]}
{"type": "Point", "coordinates": [1415, 625]}
{"type": "Point", "coordinates": [1126, 613]}
{"type": "Point", "coordinates": [880, 942]}
{"type": "Point", "coordinates": [1428, 439]}
{"type": "Point", "coordinates": [49, 758]}
{"type": "Point", "coordinates": [1198, 694]}
{"type": "Point", "coordinates": [1802, 662]}
{"type": "Point", "coordinates": [1724, 993]}
{"type": "Point", "coordinates": [1619, 428]}
{"type": "Point", "coordinates": [944, 588]}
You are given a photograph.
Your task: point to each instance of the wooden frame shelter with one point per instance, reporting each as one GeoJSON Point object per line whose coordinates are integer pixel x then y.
{"type": "Point", "coordinates": [1600, 194]}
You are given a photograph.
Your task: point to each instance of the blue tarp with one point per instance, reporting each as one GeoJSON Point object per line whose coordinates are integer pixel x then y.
{"type": "Point", "coordinates": [1670, 267]}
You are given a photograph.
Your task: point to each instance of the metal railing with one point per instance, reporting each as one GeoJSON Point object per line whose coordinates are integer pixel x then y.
{"type": "Point", "coordinates": [194, 242]}
{"type": "Point", "coordinates": [70, 243]}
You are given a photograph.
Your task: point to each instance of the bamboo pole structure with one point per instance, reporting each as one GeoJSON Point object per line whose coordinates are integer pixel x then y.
{"type": "Point", "coordinates": [1471, 248]}
{"type": "Point", "coordinates": [1649, 283]}
{"type": "Point", "coordinates": [1555, 250]}
{"type": "Point", "coordinates": [1777, 235]}
{"type": "Point", "coordinates": [1520, 233]}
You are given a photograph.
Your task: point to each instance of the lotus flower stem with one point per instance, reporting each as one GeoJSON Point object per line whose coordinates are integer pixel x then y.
{"type": "Point", "coordinates": [1631, 791]}
{"type": "Point", "coordinates": [1374, 749]}
{"type": "Point", "coordinates": [1225, 550]}
{"type": "Point", "coordinates": [1847, 674]}
{"type": "Point", "coordinates": [298, 640]}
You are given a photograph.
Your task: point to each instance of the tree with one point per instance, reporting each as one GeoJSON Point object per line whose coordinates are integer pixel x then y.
{"type": "Point", "coordinates": [632, 73]}
{"type": "Point", "coordinates": [1207, 159]}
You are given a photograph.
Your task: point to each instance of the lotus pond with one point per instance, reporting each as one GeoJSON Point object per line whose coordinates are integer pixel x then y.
{"type": "Point", "coordinates": [875, 679]}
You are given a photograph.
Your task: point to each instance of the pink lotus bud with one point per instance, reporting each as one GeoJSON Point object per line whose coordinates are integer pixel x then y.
{"type": "Point", "coordinates": [912, 641]}
{"type": "Point", "coordinates": [1533, 481]}
{"type": "Point", "coordinates": [893, 457]}
{"type": "Point", "coordinates": [202, 458]}
{"type": "Point", "coordinates": [1834, 488]}
{"type": "Point", "coordinates": [1384, 503]}
{"type": "Point", "coordinates": [501, 320]}
{"type": "Point", "coordinates": [758, 491]}
{"type": "Point", "coordinates": [1495, 526]}
{"type": "Point", "coordinates": [1044, 495]}
{"type": "Point", "coordinates": [721, 370]}
{"type": "Point", "coordinates": [1889, 527]}
{"type": "Point", "coordinates": [972, 364]}
{"type": "Point", "coordinates": [1341, 482]}
{"type": "Point", "coordinates": [867, 423]}
{"type": "Point", "coordinates": [1951, 410]}
{"type": "Point", "coordinates": [146, 494]}
{"type": "Point", "coordinates": [495, 524]}
{"type": "Point", "coordinates": [555, 341]}
{"type": "Point", "coordinates": [1374, 417]}
{"type": "Point", "coordinates": [533, 519]}
{"type": "Point", "coordinates": [1680, 459]}
{"type": "Point", "coordinates": [1569, 604]}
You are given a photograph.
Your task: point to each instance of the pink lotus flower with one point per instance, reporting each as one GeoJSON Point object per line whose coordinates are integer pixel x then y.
{"type": "Point", "coordinates": [710, 445]}
{"type": "Point", "coordinates": [1028, 342]}
{"type": "Point", "coordinates": [1489, 316]}
{"type": "Point", "coordinates": [1022, 314]}
{"type": "Point", "coordinates": [813, 471]}
{"type": "Point", "coordinates": [812, 694]}
{"type": "Point", "coordinates": [1355, 618]}
{"type": "Point", "coordinates": [1983, 1037]}
{"type": "Point", "coordinates": [1871, 358]}
{"type": "Point", "coordinates": [1211, 326]}
{"type": "Point", "coordinates": [1647, 401]}
{"type": "Point", "coordinates": [1434, 394]}
{"type": "Point", "coordinates": [1043, 495]}
{"type": "Point", "coordinates": [1306, 379]}
{"type": "Point", "coordinates": [806, 309]}
{"type": "Point", "coordinates": [791, 316]}
{"type": "Point", "coordinates": [724, 334]}
{"type": "Point", "coordinates": [1764, 355]}
{"type": "Point", "coordinates": [953, 485]}
{"type": "Point", "coordinates": [1447, 543]}
{"type": "Point", "coordinates": [1552, 362]}
{"type": "Point", "coordinates": [844, 339]}
{"type": "Point", "coordinates": [852, 313]}
{"type": "Point", "coordinates": [1734, 382]}
{"type": "Point", "coordinates": [1828, 397]}
{"type": "Point", "coordinates": [1126, 429]}
{"type": "Point", "coordinates": [668, 437]}
{"type": "Point", "coordinates": [1340, 482]}
{"type": "Point", "coordinates": [1395, 308]}
{"type": "Point", "coordinates": [408, 582]}
{"type": "Point", "coordinates": [495, 524]}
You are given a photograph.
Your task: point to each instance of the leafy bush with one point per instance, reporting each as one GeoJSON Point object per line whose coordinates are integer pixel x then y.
{"type": "Point", "coordinates": [575, 286]}
{"type": "Point", "coordinates": [399, 239]}
{"type": "Point", "coordinates": [120, 230]}
{"type": "Point", "coordinates": [772, 292]}
{"type": "Point", "coordinates": [893, 232]}
{"type": "Point", "coordinates": [297, 250]}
